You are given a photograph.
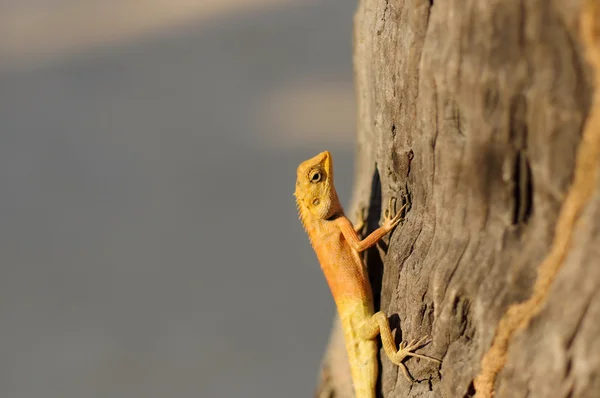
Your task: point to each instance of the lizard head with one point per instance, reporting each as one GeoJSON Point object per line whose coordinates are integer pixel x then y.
{"type": "Point", "coordinates": [315, 192]}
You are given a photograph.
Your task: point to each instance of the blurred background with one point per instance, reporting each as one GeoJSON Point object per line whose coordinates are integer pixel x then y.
{"type": "Point", "coordinates": [149, 237]}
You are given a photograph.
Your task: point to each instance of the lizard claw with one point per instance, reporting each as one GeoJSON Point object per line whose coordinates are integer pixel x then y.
{"type": "Point", "coordinates": [389, 220]}
{"type": "Point", "coordinates": [406, 350]}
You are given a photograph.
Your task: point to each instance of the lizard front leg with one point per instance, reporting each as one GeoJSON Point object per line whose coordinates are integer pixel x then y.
{"type": "Point", "coordinates": [378, 324]}
{"type": "Point", "coordinates": [390, 221]}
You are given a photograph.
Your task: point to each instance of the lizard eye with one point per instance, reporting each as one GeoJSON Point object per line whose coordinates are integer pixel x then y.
{"type": "Point", "coordinates": [315, 176]}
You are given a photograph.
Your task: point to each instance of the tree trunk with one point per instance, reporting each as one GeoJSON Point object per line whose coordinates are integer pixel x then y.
{"type": "Point", "coordinates": [483, 112]}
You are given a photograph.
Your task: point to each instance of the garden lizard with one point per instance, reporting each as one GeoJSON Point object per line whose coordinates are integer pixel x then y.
{"type": "Point", "coordinates": [338, 247]}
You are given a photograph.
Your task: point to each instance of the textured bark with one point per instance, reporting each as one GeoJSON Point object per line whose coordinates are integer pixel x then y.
{"type": "Point", "coordinates": [478, 110]}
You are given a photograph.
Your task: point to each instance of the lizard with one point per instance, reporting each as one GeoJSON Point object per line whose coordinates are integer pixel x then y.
{"type": "Point", "coordinates": [337, 245]}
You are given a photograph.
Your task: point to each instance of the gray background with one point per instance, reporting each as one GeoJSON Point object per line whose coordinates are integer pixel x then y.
{"type": "Point", "coordinates": [149, 238]}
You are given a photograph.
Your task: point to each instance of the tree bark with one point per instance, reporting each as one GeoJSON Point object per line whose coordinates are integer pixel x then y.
{"type": "Point", "coordinates": [484, 113]}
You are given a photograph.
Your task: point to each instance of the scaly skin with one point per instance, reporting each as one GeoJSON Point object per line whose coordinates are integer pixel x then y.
{"type": "Point", "coordinates": [338, 247]}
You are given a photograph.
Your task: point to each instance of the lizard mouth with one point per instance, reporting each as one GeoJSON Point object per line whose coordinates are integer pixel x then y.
{"type": "Point", "coordinates": [324, 159]}
{"type": "Point", "coordinates": [324, 156]}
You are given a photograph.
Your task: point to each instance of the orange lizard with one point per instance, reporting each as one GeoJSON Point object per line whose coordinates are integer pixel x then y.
{"type": "Point", "coordinates": [338, 247]}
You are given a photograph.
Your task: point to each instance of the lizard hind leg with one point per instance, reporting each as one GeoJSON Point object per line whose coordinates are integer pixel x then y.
{"type": "Point", "coordinates": [378, 324]}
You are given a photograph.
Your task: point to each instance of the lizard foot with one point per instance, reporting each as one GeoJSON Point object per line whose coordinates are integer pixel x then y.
{"type": "Point", "coordinates": [406, 350]}
{"type": "Point", "coordinates": [390, 217]}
